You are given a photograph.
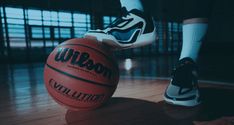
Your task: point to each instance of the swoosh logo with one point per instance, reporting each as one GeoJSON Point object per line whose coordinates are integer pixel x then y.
{"type": "Point", "coordinates": [124, 22]}
{"type": "Point", "coordinates": [134, 36]}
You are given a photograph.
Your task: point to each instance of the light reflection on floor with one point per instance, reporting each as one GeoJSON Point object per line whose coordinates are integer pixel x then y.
{"type": "Point", "coordinates": [20, 79]}
{"type": "Point", "coordinates": [147, 67]}
{"type": "Point", "coordinates": [212, 68]}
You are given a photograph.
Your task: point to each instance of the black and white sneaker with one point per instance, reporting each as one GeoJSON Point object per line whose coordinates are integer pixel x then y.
{"type": "Point", "coordinates": [132, 29]}
{"type": "Point", "coordinates": [183, 89]}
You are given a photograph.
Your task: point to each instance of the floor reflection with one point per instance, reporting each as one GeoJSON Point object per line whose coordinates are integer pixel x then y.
{"type": "Point", "coordinates": [22, 83]}
{"type": "Point", "coordinates": [147, 67]}
{"type": "Point", "coordinates": [128, 111]}
{"type": "Point", "coordinates": [27, 79]}
{"type": "Point", "coordinates": [23, 96]}
{"type": "Point", "coordinates": [212, 68]}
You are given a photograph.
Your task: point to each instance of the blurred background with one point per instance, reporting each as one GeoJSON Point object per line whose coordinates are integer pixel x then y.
{"type": "Point", "coordinates": [30, 30]}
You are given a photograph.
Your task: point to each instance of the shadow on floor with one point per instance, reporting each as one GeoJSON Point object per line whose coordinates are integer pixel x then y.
{"type": "Point", "coordinates": [129, 111]}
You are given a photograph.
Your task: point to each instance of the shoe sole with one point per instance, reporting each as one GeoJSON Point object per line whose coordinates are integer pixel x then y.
{"type": "Point", "coordinates": [187, 103]}
{"type": "Point", "coordinates": [142, 40]}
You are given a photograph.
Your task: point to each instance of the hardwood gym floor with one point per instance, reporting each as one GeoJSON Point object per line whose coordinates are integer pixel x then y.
{"type": "Point", "coordinates": [137, 100]}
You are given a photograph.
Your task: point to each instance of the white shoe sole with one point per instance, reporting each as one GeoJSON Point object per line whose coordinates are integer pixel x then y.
{"type": "Point", "coordinates": [142, 40]}
{"type": "Point", "coordinates": [188, 103]}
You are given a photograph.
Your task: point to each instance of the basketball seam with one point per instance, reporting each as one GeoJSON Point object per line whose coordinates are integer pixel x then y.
{"type": "Point", "coordinates": [78, 78]}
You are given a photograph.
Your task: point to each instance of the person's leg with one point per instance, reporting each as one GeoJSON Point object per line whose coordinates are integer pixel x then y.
{"type": "Point", "coordinates": [133, 29]}
{"type": "Point", "coordinates": [183, 88]}
{"type": "Point", "coordinates": [194, 30]}
{"type": "Point", "coordinates": [132, 4]}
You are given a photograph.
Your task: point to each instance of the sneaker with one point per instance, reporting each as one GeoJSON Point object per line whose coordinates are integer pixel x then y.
{"type": "Point", "coordinates": [132, 29]}
{"type": "Point", "coordinates": [183, 89]}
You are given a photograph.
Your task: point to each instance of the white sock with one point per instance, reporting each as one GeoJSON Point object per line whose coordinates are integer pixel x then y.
{"type": "Point", "coordinates": [193, 35]}
{"type": "Point", "coordinates": [132, 4]}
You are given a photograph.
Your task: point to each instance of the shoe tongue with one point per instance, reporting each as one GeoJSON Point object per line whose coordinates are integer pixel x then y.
{"type": "Point", "coordinates": [124, 11]}
{"type": "Point", "coordinates": [137, 12]}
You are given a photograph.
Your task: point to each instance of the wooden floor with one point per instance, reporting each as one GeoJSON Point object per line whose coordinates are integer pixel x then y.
{"type": "Point", "coordinates": [137, 101]}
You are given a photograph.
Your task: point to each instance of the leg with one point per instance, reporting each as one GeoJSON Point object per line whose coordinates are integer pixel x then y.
{"type": "Point", "coordinates": [194, 31]}
{"type": "Point", "coordinates": [132, 4]}
{"type": "Point", "coordinates": [183, 88]}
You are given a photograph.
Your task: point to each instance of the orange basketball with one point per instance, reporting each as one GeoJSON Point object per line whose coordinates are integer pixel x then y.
{"type": "Point", "coordinates": [81, 74]}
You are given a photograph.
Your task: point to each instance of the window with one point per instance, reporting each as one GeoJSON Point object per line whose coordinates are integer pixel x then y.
{"type": "Point", "coordinates": [62, 33]}
{"type": "Point", "coordinates": [56, 26]}
{"type": "Point", "coordinates": [15, 25]}
{"type": "Point", "coordinates": [107, 20]}
{"type": "Point", "coordinates": [65, 19]}
{"type": "Point", "coordinates": [160, 34]}
{"type": "Point", "coordinates": [174, 30]}
{"type": "Point", "coordinates": [39, 30]}
{"type": "Point", "coordinates": [81, 24]}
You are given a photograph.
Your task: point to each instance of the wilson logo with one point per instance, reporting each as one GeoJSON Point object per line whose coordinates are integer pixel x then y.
{"type": "Point", "coordinates": [82, 60]}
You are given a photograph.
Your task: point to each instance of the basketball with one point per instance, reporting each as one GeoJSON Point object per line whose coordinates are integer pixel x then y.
{"type": "Point", "coordinates": [81, 74]}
